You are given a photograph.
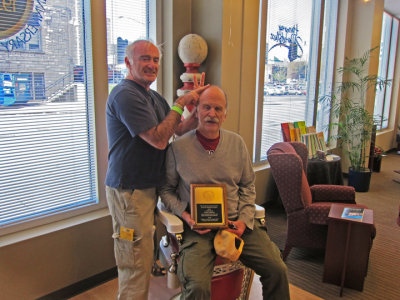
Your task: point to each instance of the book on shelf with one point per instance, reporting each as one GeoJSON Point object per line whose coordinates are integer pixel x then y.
{"type": "Point", "coordinates": [353, 213]}
{"type": "Point", "coordinates": [310, 140]}
{"type": "Point", "coordinates": [311, 129]}
{"type": "Point", "coordinates": [292, 134]}
{"type": "Point", "coordinates": [297, 134]}
{"type": "Point", "coordinates": [305, 139]}
{"type": "Point", "coordinates": [315, 146]}
{"type": "Point", "coordinates": [321, 141]}
{"type": "Point", "coordinates": [301, 125]}
{"type": "Point", "coordinates": [285, 132]}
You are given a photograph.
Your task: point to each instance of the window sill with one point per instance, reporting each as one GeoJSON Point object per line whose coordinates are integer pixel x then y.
{"type": "Point", "coordinates": [23, 235]}
{"type": "Point", "coordinates": [261, 166]}
{"type": "Point", "coordinates": [384, 131]}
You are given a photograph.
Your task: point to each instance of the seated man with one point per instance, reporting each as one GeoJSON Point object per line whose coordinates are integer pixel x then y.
{"type": "Point", "coordinates": [213, 155]}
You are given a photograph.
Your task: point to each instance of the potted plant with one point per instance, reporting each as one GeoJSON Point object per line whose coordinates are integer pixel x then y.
{"type": "Point", "coordinates": [351, 123]}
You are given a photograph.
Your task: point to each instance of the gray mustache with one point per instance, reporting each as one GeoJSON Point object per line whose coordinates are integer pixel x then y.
{"type": "Point", "coordinates": [211, 119]}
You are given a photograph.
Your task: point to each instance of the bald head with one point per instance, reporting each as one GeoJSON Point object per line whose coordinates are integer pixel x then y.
{"type": "Point", "coordinates": [214, 91]}
{"type": "Point", "coordinates": [130, 49]}
{"type": "Point", "coordinates": [211, 111]}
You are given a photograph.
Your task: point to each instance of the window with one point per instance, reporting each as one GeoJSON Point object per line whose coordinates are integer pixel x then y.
{"type": "Point", "coordinates": [295, 68]}
{"type": "Point", "coordinates": [124, 27]}
{"type": "Point", "coordinates": [327, 66]}
{"type": "Point", "coordinates": [387, 60]}
{"type": "Point", "coordinates": [47, 141]}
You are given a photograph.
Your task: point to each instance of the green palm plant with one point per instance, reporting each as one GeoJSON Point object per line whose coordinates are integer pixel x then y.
{"type": "Point", "coordinates": [354, 123]}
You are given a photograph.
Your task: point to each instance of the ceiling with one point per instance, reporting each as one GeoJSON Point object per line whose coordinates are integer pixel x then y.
{"type": "Point", "coordinates": [393, 7]}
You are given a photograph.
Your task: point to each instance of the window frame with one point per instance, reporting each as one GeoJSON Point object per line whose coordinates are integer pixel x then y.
{"type": "Point", "coordinates": [77, 215]}
{"type": "Point", "coordinates": [48, 218]}
{"type": "Point", "coordinates": [314, 63]}
{"type": "Point", "coordinates": [384, 98]}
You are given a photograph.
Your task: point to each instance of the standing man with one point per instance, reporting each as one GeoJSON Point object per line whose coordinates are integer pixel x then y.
{"type": "Point", "coordinates": [139, 126]}
{"type": "Point", "coordinates": [211, 155]}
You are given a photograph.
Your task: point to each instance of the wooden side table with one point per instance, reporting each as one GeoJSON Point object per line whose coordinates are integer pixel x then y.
{"type": "Point", "coordinates": [347, 249]}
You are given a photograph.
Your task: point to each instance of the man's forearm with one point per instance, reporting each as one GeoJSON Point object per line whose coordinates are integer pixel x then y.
{"type": "Point", "coordinates": [159, 135]}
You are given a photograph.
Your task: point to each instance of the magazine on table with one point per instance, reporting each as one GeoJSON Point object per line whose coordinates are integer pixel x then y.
{"type": "Point", "coordinates": [353, 213]}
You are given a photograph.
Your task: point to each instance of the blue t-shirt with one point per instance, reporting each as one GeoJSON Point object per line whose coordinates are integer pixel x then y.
{"type": "Point", "coordinates": [132, 162]}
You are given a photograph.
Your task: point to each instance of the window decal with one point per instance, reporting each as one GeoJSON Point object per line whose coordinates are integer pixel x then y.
{"type": "Point", "coordinates": [288, 37]}
{"type": "Point", "coordinates": [20, 21]}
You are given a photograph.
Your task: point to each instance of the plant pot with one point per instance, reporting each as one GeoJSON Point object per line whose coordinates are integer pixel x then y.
{"type": "Point", "coordinates": [376, 166]}
{"type": "Point", "coordinates": [360, 179]}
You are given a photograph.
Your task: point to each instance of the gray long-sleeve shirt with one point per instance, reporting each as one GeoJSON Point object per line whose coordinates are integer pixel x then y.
{"type": "Point", "coordinates": [188, 162]}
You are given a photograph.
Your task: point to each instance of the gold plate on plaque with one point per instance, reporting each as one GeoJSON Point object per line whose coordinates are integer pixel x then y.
{"type": "Point", "coordinates": [208, 206]}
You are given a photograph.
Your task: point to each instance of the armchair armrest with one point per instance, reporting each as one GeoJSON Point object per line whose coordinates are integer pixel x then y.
{"type": "Point", "coordinates": [173, 224]}
{"type": "Point", "coordinates": [260, 212]}
{"type": "Point", "coordinates": [333, 193]}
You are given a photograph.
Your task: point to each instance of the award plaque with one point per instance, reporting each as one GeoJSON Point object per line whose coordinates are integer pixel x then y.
{"type": "Point", "coordinates": [208, 206]}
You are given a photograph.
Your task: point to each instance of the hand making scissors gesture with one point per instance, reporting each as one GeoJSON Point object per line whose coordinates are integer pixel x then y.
{"type": "Point", "coordinates": [202, 78]}
{"type": "Point", "coordinates": [191, 98]}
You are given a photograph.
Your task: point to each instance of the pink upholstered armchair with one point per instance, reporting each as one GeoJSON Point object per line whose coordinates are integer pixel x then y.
{"type": "Point", "coordinates": [307, 208]}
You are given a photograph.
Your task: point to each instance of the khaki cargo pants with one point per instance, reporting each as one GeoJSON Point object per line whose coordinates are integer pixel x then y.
{"type": "Point", "coordinates": [133, 210]}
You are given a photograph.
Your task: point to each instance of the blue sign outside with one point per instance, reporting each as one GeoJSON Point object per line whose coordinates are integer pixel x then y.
{"type": "Point", "coordinates": [7, 89]}
{"type": "Point", "coordinates": [19, 88]}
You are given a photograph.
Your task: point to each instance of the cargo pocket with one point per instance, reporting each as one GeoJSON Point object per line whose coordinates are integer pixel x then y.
{"type": "Point", "coordinates": [124, 252]}
{"type": "Point", "coordinates": [181, 272]}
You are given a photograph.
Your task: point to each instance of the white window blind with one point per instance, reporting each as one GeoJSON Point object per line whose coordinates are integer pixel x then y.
{"type": "Point", "coordinates": [328, 47]}
{"type": "Point", "coordinates": [47, 141]}
{"type": "Point", "coordinates": [290, 67]}
{"type": "Point", "coordinates": [127, 21]}
{"type": "Point", "coordinates": [387, 60]}
{"type": "Point", "coordinates": [287, 70]}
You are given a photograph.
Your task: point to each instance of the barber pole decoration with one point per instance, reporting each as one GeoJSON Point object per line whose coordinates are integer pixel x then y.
{"type": "Point", "coordinates": [192, 50]}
